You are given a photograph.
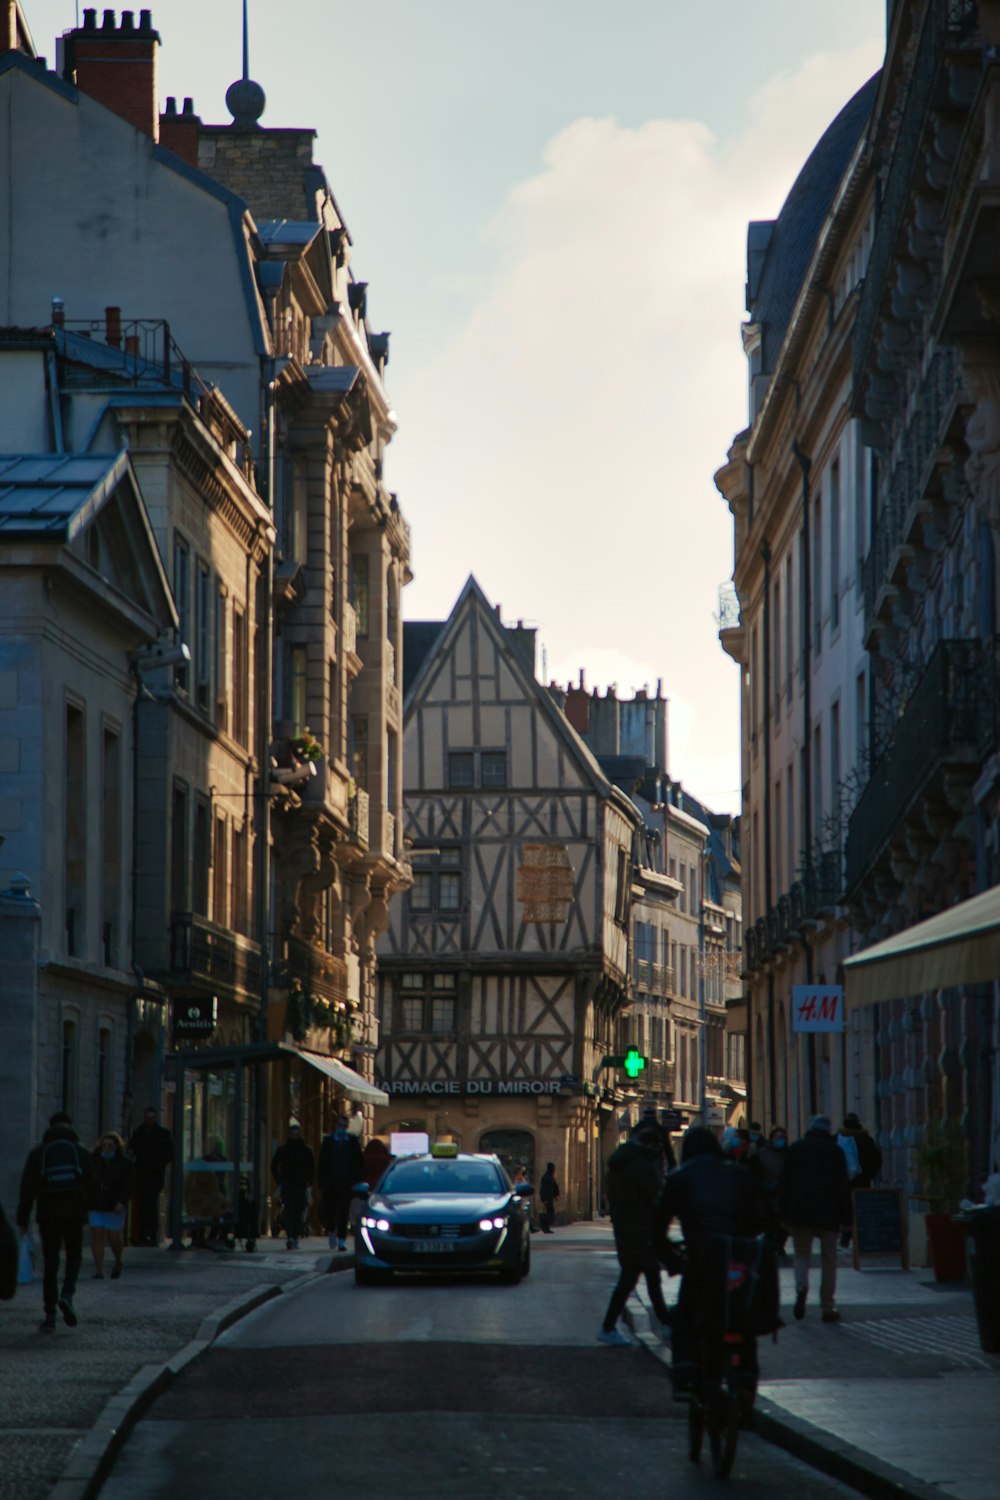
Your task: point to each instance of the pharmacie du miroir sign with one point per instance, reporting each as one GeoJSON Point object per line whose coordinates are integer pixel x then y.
{"type": "Point", "coordinates": [482, 1086]}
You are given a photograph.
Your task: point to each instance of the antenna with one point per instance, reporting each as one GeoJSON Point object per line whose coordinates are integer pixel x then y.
{"type": "Point", "coordinates": [246, 42]}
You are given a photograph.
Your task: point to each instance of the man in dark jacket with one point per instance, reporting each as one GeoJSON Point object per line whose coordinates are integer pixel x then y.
{"type": "Point", "coordinates": [548, 1192]}
{"type": "Point", "coordinates": [712, 1195]}
{"type": "Point", "coordinates": [649, 1120]}
{"type": "Point", "coordinates": [814, 1200]}
{"type": "Point", "coordinates": [634, 1184]}
{"type": "Point", "coordinates": [341, 1165]}
{"type": "Point", "coordinates": [10, 1252]}
{"type": "Point", "coordinates": [58, 1180]}
{"type": "Point", "coordinates": [152, 1150]}
{"type": "Point", "coordinates": [294, 1168]}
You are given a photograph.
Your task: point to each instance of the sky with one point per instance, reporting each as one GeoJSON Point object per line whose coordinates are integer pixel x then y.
{"type": "Point", "coordinates": [549, 201]}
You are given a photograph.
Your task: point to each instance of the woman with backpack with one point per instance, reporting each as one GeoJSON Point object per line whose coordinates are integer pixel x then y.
{"type": "Point", "coordinates": [115, 1181]}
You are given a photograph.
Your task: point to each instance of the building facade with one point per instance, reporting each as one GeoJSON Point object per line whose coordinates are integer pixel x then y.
{"type": "Point", "coordinates": [506, 964]}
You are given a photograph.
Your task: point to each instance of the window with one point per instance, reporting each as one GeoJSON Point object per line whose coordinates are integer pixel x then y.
{"type": "Point", "coordinates": [298, 678]}
{"type": "Point", "coordinates": [835, 544]}
{"type": "Point", "coordinates": [179, 849]}
{"type": "Point", "coordinates": [777, 832]}
{"type": "Point", "coordinates": [817, 784]}
{"type": "Point", "coordinates": [103, 1078]}
{"type": "Point", "coordinates": [182, 599]}
{"type": "Point", "coordinates": [239, 897]}
{"type": "Point", "coordinates": [622, 888]}
{"type": "Point", "coordinates": [220, 873]}
{"type": "Point", "coordinates": [461, 769]}
{"type": "Point", "coordinates": [776, 634]}
{"type": "Point", "coordinates": [221, 659]}
{"type": "Point", "coordinates": [437, 881]}
{"type": "Point", "coordinates": [202, 857]}
{"type": "Point", "coordinates": [835, 764]}
{"type": "Point", "coordinates": [361, 592]}
{"type": "Point", "coordinates": [494, 764]}
{"type": "Point", "coordinates": [70, 1066]}
{"type": "Point", "coordinates": [76, 830]}
{"type": "Point", "coordinates": [296, 537]}
{"type": "Point", "coordinates": [789, 628]}
{"type": "Point", "coordinates": [753, 687]}
{"type": "Point", "coordinates": [860, 707]}
{"type": "Point", "coordinates": [426, 1003]}
{"type": "Point", "coordinates": [111, 845]}
{"type": "Point", "coordinates": [240, 724]}
{"type": "Point", "coordinates": [817, 560]}
{"type": "Point", "coordinates": [203, 638]}
{"type": "Point", "coordinates": [790, 822]}
{"type": "Point", "coordinates": [359, 750]}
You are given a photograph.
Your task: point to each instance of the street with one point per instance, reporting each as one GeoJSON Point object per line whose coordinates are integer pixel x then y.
{"type": "Point", "coordinates": [451, 1388]}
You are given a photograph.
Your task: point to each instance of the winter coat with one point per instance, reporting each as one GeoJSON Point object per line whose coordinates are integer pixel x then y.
{"type": "Point", "coordinates": [770, 1165]}
{"type": "Point", "coordinates": [152, 1150]}
{"type": "Point", "coordinates": [294, 1167]}
{"type": "Point", "coordinates": [650, 1122]}
{"type": "Point", "coordinates": [869, 1157]}
{"type": "Point", "coordinates": [115, 1181]}
{"type": "Point", "coordinates": [9, 1254]}
{"type": "Point", "coordinates": [815, 1192]}
{"type": "Point", "coordinates": [55, 1202]}
{"type": "Point", "coordinates": [548, 1191]}
{"type": "Point", "coordinates": [713, 1195]}
{"type": "Point", "coordinates": [341, 1163]}
{"type": "Point", "coordinates": [633, 1186]}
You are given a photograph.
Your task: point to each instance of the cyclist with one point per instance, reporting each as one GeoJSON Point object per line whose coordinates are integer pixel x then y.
{"type": "Point", "coordinates": [711, 1195]}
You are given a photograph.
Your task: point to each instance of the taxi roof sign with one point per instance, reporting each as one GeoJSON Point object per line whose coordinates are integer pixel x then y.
{"type": "Point", "coordinates": [444, 1148]}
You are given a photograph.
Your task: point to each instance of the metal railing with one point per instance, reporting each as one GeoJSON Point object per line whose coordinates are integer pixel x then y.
{"type": "Point", "coordinates": [201, 950]}
{"type": "Point", "coordinates": [140, 351]}
{"type": "Point", "coordinates": [943, 720]}
{"type": "Point", "coordinates": [653, 978]}
{"type": "Point", "coordinates": [321, 973]}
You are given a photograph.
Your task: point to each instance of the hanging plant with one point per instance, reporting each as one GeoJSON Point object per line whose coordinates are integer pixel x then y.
{"type": "Point", "coordinates": [306, 746]}
{"type": "Point", "coordinates": [298, 1016]}
{"type": "Point", "coordinates": [322, 1013]}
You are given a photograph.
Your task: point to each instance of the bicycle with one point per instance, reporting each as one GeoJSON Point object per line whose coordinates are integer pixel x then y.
{"type": "Point", "coordinates": [722, 1400]}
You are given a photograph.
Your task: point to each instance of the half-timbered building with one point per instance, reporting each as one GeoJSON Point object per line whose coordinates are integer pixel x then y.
{"type": "Point", "coordinates": [506, 963]}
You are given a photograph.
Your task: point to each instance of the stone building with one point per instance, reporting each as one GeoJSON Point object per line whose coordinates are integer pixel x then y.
{"type": "Point", "coordinates": [273, 753]}
{"type": "Point", "coordinates": [505, 965]}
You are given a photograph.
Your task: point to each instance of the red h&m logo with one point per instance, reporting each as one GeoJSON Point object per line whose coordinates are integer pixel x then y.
{"type": "Point", "coordinates": [817, 1007]}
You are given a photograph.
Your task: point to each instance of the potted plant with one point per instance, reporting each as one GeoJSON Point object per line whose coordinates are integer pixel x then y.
{"type": "Point", "coordinates": [941, 1161]}
{"type": "Point", "coordinates": [305, 746]}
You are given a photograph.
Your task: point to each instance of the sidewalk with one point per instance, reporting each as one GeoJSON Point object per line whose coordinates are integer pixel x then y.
{"type": "Point", "coordinates": [56, 1386]}
{"type": "Point", "coordinates": [898, 1398]}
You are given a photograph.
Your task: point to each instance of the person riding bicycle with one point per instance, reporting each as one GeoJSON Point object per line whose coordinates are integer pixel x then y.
{"type": "Point", "coordinates": [712, 1196]}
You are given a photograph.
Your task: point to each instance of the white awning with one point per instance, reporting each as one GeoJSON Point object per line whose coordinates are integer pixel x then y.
{"type": "Point", "coordinates": [353, 1085]}
{"type": "Point", "coordinates": [958, 946]}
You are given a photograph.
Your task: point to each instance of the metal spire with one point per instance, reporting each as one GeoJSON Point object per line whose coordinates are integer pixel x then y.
{"type": "Point", "coordinates": [245, 99]}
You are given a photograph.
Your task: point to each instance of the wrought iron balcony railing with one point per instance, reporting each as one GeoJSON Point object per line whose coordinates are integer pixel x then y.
{"type": "Point", "coordinates": [321, 973]}
{"type": "Point", "coordinates": [201, 951]}
{"type": "Point", "coordinates": [653, 978]}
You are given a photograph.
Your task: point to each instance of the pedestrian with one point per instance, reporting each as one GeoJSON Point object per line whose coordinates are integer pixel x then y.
{"type": "Point", "coordinates": [294, 1169]}
{"type": "Point", "coordinates": [10, 1255]}
{"type": "Point", "coordinates": [376, 1157]}
{"type": "Point", "coordinates": [152, 1149]}
{"type": "Point", "coordinates": [206, 1199]}
{"type": "Point", "coordinates": [522, 1186]}
{"type": "Point", "coordinates": [769, 1166]}
{"type": "Point", "coordinates": [115, 1176]}
{"type": "Point", "coordinates": [548, 1192]}
{"type": "Point", "coordinates": [814, 1201]}
{"type": "Point", "coordinates": [58, 1181]}
{"type": "Point", "coordinates": [634, 1185]}
{"type": "Point", "coordinates": [649, 1120]}
{"type": "Point", "coordinates": [341, 1165]}
{"type": "Point", "coordinates": [864, 1159]}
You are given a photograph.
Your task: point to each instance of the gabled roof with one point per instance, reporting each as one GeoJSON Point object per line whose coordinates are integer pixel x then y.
{"type": "Point", "coordinates": [473, 598]}
{"type": "Point", "coordinates": [55, 494]}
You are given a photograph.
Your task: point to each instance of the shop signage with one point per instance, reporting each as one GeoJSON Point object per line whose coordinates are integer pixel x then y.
{"type": "Point", "coordinates": [817, 1007]}
{"type": "Point", "coordinates": [476, 1086]}
{"type": "Point", "coordinates": [194, 1020]}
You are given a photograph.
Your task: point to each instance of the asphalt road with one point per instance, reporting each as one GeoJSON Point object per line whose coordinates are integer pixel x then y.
{"type": "Point", "coordinates": [448, 1389]}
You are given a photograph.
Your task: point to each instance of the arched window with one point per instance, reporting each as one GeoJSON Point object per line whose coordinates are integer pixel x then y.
{"type": "Point", "coordinates": [515, 1148]}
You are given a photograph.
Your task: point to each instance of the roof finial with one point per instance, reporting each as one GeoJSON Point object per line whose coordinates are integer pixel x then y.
{"type": "Point", "coordinates": [245, 99]}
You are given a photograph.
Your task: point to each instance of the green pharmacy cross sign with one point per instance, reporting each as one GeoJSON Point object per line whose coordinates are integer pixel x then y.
{"type": "Point", "coordinates": [633, 1062]}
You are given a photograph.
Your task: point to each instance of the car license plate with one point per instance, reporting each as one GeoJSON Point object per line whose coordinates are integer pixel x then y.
{"type": "Point", "coordinates": [432, 1246]}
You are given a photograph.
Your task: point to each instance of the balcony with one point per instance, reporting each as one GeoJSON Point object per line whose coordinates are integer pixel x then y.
{"type": "Point", "coordinates": [949, 720]}
{"type": "Point", "coordinates": [653, 979]}
{"type": "Point", "coordinates": [388, 834]}
{"type": "Point", "coordinates": [201, 953]}
{"type": "Point", "coordinates": [322, 974]}
{"type": "Point", "coordinates": [357, 816]}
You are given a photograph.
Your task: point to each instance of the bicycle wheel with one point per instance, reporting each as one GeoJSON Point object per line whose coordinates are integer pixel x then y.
{"type": "Point", "coordinates": [696, 1430]}
{"type": "Point", "coordinates": [724, 1431]}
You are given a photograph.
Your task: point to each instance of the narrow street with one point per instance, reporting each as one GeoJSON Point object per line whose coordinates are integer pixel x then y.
{"type": "Point", "coordinates": [451, 1388]}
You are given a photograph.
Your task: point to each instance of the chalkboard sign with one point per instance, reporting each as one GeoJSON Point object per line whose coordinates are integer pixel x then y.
{"type": "Point", "coordinates": [879, 1226]}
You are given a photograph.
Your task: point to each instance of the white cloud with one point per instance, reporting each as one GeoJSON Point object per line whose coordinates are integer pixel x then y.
{"type": "Point", "coordinates": [562, 446]}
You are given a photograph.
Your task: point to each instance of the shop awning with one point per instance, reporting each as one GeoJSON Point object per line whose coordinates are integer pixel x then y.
{"type": "Point", "coordinates": [958, 946]}
{"type": "Point", "coordinates": [353, 1085]}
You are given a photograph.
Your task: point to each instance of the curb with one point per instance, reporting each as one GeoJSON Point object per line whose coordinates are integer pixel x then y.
{"type": "Point", "coordinates": [820, 1450]}
{"type": "Point", "coordinates": [90, 1461]}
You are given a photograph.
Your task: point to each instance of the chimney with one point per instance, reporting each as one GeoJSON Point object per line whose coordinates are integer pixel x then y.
{"type": "Point", "coordinates": [116, 65]}
{"type": "Point", "coordinates": [179, 131]}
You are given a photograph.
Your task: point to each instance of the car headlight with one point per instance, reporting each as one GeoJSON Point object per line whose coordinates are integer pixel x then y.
{"type": "Point", "coordinates": [382, 1225]}
{"type": "Point", "coordinates": [497, 1223]}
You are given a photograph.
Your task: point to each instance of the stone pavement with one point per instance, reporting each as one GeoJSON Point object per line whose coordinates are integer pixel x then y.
{"type": "Point", "coordinates": [56, 1386]}
{"type": "Point", "coordinates": [898, 1398]}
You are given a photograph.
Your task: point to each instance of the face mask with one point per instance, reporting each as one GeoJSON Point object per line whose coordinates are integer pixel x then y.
{"type": "Point", "coordinates": [107, 1154]}
{"type": "Point", "coordinates": [779, 1145]}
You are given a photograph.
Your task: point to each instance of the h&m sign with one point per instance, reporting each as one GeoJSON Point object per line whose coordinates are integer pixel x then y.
{"type": "Point", "coordinates": [477, 1086]}
{"type": "Point", "coordinates": [817, 1007]}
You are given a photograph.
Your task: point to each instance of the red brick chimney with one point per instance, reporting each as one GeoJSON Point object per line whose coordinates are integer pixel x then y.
{"type": "Point", "coordinates": [116, 65]}
{"type": "Point", "coordinates": [179, 130]}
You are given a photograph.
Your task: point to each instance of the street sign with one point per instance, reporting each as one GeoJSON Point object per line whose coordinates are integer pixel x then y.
{"type": "Point", "coordinates": [632, 1061]}
{"type": "Point", "coordinates": [817, 1007]}
{"type": "Point", "coordinates": [194, 1020]}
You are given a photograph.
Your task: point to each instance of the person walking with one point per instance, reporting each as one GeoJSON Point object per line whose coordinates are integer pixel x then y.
{"type": "Point", "coordinates": [115, 1176]}
{"type": "Point", "coordinates": [152, 1149]}
{"type": "Point", "coordinates": [649, 1120]}
{"type": "Point", "coordinates": [548, 1192]}
{"type": "Point", "coordinates": [10, 1255]}
{"type": "Point", "coordinates": [341, 1165]}
{"type": "Point", "coordinates": [634, 1185]}
{"type": "Point", "coordinates": [522, 1181]}
{"type": "Point", "coordinates": [864, 1159]}
{"type": "Point", "coordinates": [769, 1166]}
{"type": "Point", "coordinates": [58, 1182]}
{"type": "Point", "coordinates": [814, 1200]}
{"type": "Point", "coordinates": [294, 1169]}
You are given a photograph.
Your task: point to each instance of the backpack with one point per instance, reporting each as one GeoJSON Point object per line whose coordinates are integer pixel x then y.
{"type": "Point", "coordinates": [849, 1146]}
{"type": "Point", "coordinates": [737, 1285]}
{"type": "Point", "coordinates": [61, 1171]}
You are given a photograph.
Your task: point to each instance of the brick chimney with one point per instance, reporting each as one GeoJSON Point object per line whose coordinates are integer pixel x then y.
{"type": "Point", "coordinates": [179, 130]}
{"type": "Point", "coordinates": [116, 65]}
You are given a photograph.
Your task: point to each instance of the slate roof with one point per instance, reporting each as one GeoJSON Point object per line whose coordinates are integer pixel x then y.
{"type": "Point", "coordinates": [288, 231]}
{"type": "Point", "coordinates": [800, 220]}
{"type": "Point", "coordinates": [52, 494]}
{"type": "Point", "coordinates": [418, 642]}
{"type": "Point", "coordinates": [332, 377]}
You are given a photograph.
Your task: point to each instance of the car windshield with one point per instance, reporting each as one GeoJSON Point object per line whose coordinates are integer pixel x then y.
{"type": "Point", "coordinates": [442, 1177]}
